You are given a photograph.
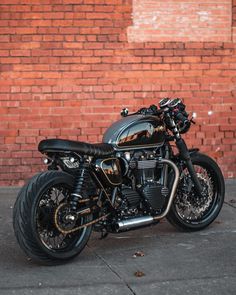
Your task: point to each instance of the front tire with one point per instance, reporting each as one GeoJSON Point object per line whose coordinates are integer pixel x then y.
{"type": "Point", "coordinates": [189, 212]}
{"type": "Point", "coordinates": [33, 219]}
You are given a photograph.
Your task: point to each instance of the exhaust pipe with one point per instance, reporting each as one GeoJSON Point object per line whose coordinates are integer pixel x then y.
{"type": "Point", "coordinates": [174, 188]}
{"type": "Point", "coordinates": [134, 222]}
{"type": "Point", "coordinates": [145, 220]}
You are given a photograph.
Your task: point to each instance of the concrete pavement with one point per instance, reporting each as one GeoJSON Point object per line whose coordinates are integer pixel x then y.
{"type": "Point", "coordinates": [173, 262]}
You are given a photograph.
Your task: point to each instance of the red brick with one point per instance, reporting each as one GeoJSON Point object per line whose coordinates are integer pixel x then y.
{"type": "Point", "coordinates": [89, 60]}
{"type": "Point", "coordinates": [173, 74]}
{"type": "Point", "coordinates": [144, 52]}
{"type": "Point", "coordinates": [60, 52]}
{"type": "Point", "coordinates": [25, 31]}
{"type": "Point", "coordinates": [173, 59]}
{"type": "Point", "coordinates": [192, 59]}
{"type": "Point", "coordinates": [154, 59]}
{"type": "Point", "coordinates": [163, 52]}
{"type": "Point", "coordinates": [103, 52]}
{"type": "Point", "coordinates": [20, 53]}
{"type": "Point", "coordinates": [194, 45]}
{"type": "Point", "coordinates": [4, 52]}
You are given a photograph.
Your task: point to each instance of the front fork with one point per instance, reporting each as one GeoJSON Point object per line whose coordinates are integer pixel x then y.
{"type": "Point", "coordinates": [184, 152]}
{"type": "Point", "coordinates": [185, 155]}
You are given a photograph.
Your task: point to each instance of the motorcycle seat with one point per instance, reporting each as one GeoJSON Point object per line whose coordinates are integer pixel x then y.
{"type": "Point", "coordinates": [62, 145]}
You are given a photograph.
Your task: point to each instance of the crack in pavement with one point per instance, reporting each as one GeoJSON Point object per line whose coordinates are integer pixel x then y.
{"type": "Point", "coordinates": [113, 271]}
{"type": "Point", "coordinates": [227, 203]}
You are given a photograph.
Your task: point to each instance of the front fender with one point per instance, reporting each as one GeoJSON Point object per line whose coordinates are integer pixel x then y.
{"type": "Point", "coordinates": [193, 151]}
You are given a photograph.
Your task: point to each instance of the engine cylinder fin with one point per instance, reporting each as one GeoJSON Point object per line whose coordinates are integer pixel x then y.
{"type": "Point", "coordinates": [132, 196]}
{"type": "Point", "coordinates": [147, 164]}
{"type": "Point", "coordinates": [165, 191]}
{"type": "Point", "coordinates": [152, 194]}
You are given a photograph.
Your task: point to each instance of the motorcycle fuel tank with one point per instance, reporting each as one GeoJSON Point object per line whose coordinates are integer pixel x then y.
{"type": "Point", "coordinates": [136, 131]}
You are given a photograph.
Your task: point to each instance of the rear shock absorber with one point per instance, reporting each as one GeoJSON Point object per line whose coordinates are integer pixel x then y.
{"type": "Point", "coordinates": [81, 182]}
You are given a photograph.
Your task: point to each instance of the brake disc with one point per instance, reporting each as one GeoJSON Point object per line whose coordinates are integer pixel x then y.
{"type": "Point", "coordinates": [192, 206]}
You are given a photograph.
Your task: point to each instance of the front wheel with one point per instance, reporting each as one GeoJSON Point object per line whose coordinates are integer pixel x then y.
{"type": "Point", "coordinates": [189, 211]}
{"type": "Point", "coordinates": [34, 219]}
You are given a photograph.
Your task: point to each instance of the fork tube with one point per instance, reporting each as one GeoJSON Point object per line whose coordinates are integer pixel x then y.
{"type": "Point", "coordinates": [184, 154]}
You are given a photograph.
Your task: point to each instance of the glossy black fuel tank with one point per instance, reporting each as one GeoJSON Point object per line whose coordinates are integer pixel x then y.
{"type": "Point", "coordinates": [134, 132]}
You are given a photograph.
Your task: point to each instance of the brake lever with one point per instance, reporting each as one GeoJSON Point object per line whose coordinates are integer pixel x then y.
{"type": "Point", "coordinates": [191, 120]}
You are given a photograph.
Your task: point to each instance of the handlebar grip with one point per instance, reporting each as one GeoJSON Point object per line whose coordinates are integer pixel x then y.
{"type": "Point", "coordinates": [182, 118]}
{"type": "Point", "coordinates": [185, 123]}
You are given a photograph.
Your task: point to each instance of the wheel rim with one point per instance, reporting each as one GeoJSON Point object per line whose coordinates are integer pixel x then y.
{"type": "Point", "coordinates": [50, 237]}
{"type": "Point", "coordinates": [191, 208]}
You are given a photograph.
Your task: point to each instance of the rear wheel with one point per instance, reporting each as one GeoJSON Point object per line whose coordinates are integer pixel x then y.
{"type": "Point", "coordinates": [34, 219]}
{"type": "Point", "coordinates": [191, 212]}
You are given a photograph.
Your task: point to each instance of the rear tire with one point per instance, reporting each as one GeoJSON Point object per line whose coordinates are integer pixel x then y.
{"type": "Point", "coordinates": [216, 190]}
{"type": "Point", "coordinates": [29, 218]}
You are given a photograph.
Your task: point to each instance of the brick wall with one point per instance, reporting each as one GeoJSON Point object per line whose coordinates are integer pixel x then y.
{"type": "Point", "coordinates": [181, 20]}
{"type": "Point", "coordinates": [67, 68]}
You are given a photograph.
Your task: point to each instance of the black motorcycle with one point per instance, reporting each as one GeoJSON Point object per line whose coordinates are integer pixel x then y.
{"type": "Point", "coordinates": [132, 179]}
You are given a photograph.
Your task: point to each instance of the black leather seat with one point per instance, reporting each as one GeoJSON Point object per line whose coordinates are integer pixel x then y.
{"type": "Point", "coordinates": [57, 145]}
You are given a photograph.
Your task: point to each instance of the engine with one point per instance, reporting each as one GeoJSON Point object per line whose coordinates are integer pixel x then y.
{"type": "Point", "coordinates": [147, 188]}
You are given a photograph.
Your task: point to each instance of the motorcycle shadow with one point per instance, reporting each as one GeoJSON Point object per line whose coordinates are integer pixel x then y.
{"type": "Point", "coordinates": [132, 239]}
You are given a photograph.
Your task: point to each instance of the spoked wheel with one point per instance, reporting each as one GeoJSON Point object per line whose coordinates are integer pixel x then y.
{"type": "Point", "coordinates": [190, 211]}
{"type": "Point", "coordinates": [49, 234]}
{"type": "Point", "coordinates": [41, 211]}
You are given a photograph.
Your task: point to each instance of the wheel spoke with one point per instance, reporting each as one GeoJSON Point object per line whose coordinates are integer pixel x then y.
{"type": "Point", "coordinates": [50, 236]}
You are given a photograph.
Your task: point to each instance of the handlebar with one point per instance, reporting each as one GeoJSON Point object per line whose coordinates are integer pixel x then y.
{"type": "Point", "coordinates": [152, 110]}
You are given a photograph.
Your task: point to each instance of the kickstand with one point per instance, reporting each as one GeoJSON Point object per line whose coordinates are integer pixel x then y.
{"type": "Point", "coordinates": [104, 234]}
